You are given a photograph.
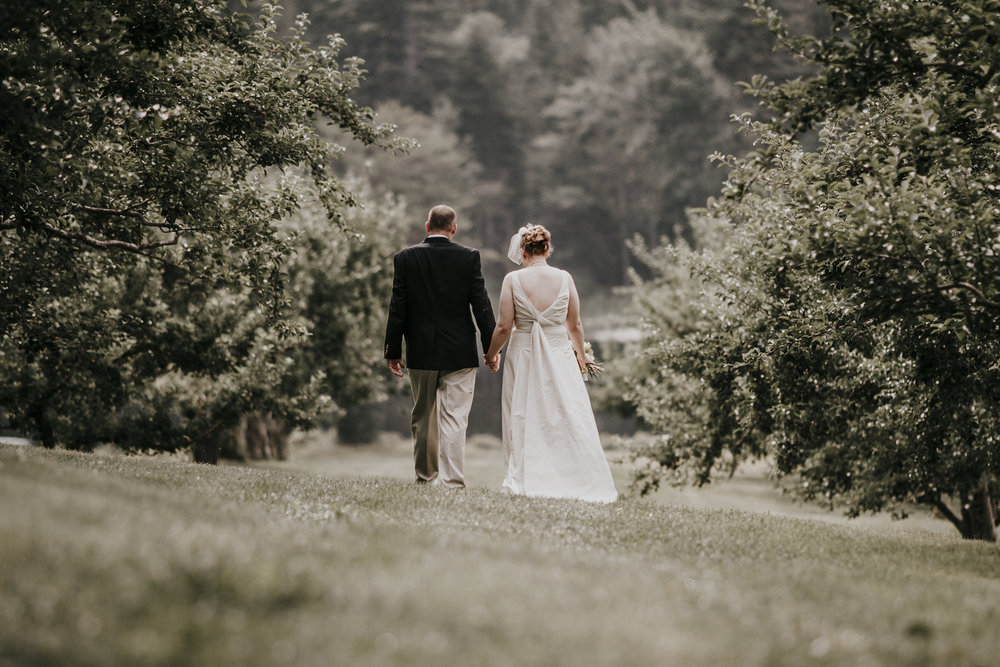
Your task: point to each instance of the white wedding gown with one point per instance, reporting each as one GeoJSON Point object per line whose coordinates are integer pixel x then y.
{"type": "Point", "coordinates": [550, 438]}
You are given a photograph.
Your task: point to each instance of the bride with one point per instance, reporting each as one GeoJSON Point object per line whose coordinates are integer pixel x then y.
{"type": "Point", "coordinates": [551, 444]}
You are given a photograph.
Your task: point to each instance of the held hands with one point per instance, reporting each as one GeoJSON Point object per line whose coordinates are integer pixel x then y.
{"type": "Point", "coordinates": [494, 363]}
{"type": "Point", "coordinates": [396, 366]}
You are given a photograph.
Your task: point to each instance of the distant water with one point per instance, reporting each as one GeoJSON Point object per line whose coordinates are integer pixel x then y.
{"type": "Point", "coordinates": [13, 440]}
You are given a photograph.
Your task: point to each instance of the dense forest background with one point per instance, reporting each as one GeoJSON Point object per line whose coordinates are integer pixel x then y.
{"type": "Point", "coordinates": [593, 118]}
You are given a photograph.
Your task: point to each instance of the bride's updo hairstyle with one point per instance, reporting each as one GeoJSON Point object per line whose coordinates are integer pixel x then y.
{"type": "Point", "coordinates": [536, 240]}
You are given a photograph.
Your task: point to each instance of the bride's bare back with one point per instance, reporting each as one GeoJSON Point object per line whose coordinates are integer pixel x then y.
{"type": "Point", "coordinates": [541, 284]}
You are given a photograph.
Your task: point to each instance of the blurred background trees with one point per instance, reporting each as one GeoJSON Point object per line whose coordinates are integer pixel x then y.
{"type": "Point", "coordinates": [595, 119]}
{"type": "Point", "coordinates": [629, 140]}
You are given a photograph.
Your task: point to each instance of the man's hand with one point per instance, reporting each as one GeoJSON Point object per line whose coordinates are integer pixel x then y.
{"type": "Point", "coordinates": [396, 367]}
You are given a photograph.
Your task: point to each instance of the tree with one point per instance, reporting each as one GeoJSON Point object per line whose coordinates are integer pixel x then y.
{"type": "Point", "coordinates": [487, 119]}
{"type": "Point", "coordinates": [855, 321]}
{"type": "Point", "coordinates": [402, 43]}
{"type": "Point", "coordinates": [339, 285]}
{"type": "Point", "coordinates": [500, 64]}
{"type": "Point", "coordinates": [438, 168]}
{"type": "Point", "coordinates": [149, 154]}
{"type": "Point", "coordinates": [630, 139]}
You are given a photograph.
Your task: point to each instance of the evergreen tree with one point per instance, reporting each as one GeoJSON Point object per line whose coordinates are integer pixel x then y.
{"type": "Point", "coordinates": [632, 137]}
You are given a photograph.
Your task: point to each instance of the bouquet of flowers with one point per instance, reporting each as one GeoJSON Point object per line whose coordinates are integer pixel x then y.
{"type": "Point", "coordinates": [591, 369]}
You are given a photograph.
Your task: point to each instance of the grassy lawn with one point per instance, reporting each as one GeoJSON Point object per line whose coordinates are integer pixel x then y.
{"type": "Point", "coordinates": [110, 560]}
{"type": "Point", "coordinates": [750, 489]}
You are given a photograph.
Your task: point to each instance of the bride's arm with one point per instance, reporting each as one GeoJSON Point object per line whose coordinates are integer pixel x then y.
{"type": "Point", "coordinates": [574, 325]}
{"type": "Point", "coordinates": [505, 322]}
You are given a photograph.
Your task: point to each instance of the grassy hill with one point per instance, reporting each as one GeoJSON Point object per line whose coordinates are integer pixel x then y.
{"type": "Point", "coordinates": [125, 560]}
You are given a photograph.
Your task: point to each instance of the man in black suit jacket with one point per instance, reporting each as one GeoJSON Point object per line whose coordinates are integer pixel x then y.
{"type": "Point", "coordinates": [437, 292]}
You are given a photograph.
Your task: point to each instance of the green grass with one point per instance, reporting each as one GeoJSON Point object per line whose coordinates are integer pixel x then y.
{"type": "Point", "coordinates": [109, 560]}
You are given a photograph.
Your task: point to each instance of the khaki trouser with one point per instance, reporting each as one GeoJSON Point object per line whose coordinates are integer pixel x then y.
{"type": "Point", "coordinates": [441, 404]}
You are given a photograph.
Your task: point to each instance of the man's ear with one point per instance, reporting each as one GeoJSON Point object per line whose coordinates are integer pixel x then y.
{"type": "Point", "coordinates": [427, 226]}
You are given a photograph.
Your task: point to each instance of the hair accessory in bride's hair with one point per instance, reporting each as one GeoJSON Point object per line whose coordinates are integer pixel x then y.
{"type": "Point", "coordinates": [514, 251]}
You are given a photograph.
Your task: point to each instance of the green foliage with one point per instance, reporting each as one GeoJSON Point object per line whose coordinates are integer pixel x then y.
{"type": "Point", "coordinates": [339, 285]}
{"type": "Point", "coordinates": [439, 167]}
{"type": "Point", "coordinates": [149, 155]}
{"type": "Point", "coordinates": [854, 329]}
{"type": "Point", "coordinates": [559, 103]}
{"type": "Point", "coordinates": [631, 137]}
{"type": "Point", "coordinates": [219, 361]}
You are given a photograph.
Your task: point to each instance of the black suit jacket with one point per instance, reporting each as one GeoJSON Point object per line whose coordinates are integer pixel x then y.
{"type": "Point", "coordinates": [437, 292]}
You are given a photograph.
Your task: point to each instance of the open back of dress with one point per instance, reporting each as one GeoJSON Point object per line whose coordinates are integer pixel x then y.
{"type": "Point", "coordinates": [551, 444]}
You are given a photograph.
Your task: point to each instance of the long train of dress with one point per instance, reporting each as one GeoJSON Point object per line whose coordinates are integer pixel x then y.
{"type": "Point", "coordinates": [551, 443]}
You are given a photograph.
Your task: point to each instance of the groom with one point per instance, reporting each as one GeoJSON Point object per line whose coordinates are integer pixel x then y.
{"type": "Point", "coordinates": [434, 285]}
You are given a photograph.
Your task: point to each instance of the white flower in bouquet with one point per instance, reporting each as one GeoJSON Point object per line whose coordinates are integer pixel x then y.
{"type": "Point", "coordinates": [591, 369]}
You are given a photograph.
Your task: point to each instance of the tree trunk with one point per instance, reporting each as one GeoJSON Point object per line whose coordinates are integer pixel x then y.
{"type": "Point", "coordinates": [41, 414]}
{"type": "Point", "coordinates": [978, 520]}
{"type": "Point", "coordinates": [982, 523]}
{"type": "Point", "coordinates": [206, 451]}
{"type": "Point", "coordinates": [265, 437]}
{"type": "Point", "coordinates": [411, 48]}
